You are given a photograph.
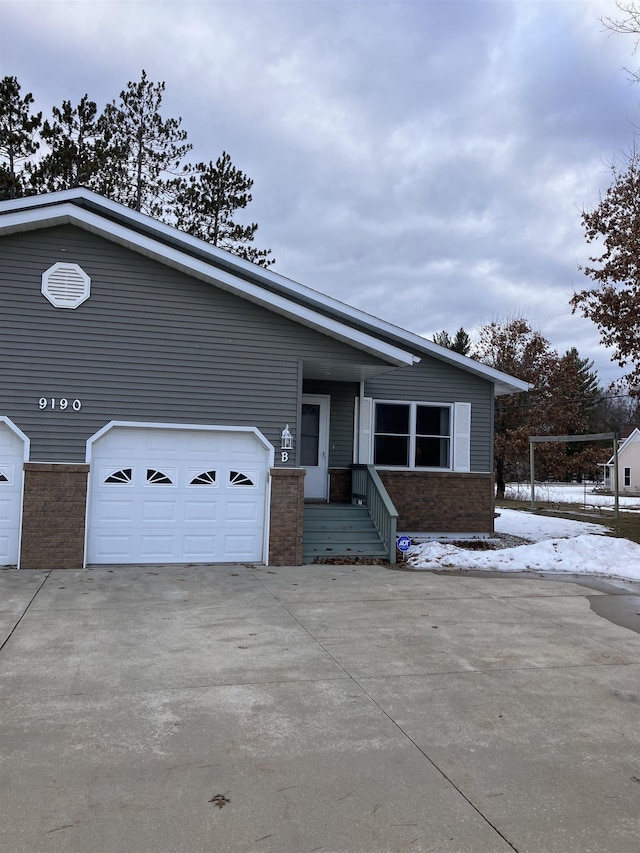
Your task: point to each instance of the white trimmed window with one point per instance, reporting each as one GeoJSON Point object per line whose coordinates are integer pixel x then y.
{"type": "Point", "coordinates": [66, 285]}
{"type": "Point", "coordinates": [412, 435]}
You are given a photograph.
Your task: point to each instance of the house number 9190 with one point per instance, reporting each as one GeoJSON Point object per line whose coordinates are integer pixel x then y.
{"type": "Point", "coordinates": [62, 403]}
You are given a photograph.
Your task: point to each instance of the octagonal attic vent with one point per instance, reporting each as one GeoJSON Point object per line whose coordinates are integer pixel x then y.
{"type": "Point", "coordinates": [66, 285]}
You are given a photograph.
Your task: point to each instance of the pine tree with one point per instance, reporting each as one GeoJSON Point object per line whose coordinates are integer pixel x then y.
{"type": "Point", "coordinates": [443, 339]}
{"type": "Point", "coordinates": [461, 342]}
{"type": "Point", "coordinates": [77, 147]}
{"type": "Point", "coordinates": [576, 394]}
{"type": "Point", "coordinates": [18, 142]}
{"type": "Point", "coordinates": [130, 154]}
{"type": "Point", "coordinates": [207, 200]}
{"type": "Point", "coordinates": [145, 151]}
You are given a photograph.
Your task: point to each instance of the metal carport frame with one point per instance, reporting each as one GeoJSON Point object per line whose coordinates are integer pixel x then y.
{"type": "Point", "coordinates": [596, 436]}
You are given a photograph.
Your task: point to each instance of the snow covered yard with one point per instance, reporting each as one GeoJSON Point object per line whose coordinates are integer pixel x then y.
{"type": "Point", "coordinates": [555, 545]}
{"type": "Point", "coordinates": [570, 493]}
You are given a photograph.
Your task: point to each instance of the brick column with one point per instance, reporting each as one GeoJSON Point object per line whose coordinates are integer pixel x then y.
{"type": "Point", "coordinates": [53, 517]}
{"type": "Point", "coordinates": [286, 523]}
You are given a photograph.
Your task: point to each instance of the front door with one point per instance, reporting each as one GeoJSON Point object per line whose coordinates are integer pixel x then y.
{"type": "Point", "coordinates": [314, 445]}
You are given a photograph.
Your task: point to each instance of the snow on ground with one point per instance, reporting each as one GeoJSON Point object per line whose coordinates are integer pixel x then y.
{"type": "Point", "coordinates": [527, 525]}
{"type": "Point", "coordinates": [569, 493]}
{"type": "Point", "coordinates": [557, 545]}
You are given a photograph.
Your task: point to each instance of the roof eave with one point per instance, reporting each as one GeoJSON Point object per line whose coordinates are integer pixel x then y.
{"type": "Point", "coordinates": [373, 328]}
{"type": "Point", "coordinates": [69, 213]}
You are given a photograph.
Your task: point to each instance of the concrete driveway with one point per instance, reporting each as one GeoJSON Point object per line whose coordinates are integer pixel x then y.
{"type": "Point", "coordinates": [322, 708]}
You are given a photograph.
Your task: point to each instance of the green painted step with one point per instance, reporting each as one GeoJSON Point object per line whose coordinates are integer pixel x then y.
{"type": "Point", "coordinates": [339, 530]}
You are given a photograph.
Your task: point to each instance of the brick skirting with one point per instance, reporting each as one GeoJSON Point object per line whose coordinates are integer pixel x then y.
{"type": "Point", "coordinates": [286, 523]}
{"type": "Point", "coordinates": [53, 518]}
{"type": "Point", "coordinates": [441, 502]}
{"type": "Point", "coordinates": [53, 523]}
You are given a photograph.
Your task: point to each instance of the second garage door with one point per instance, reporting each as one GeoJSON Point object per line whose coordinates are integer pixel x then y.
{"type": "Point", "coordinates": [177, 495]}
{"type": "Point", "coordinates": [13, 452]}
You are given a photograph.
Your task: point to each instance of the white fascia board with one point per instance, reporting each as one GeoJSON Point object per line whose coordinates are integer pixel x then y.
{"type": "Point", "coordinates": [45, 199]}
{"type": "Point", "coordinates": [66, 212]}
{"type": "Point", "coordinates": [630, 439]}
{"type": "Point", "coordinates": [143, 220]}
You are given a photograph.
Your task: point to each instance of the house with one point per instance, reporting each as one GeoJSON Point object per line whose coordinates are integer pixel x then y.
{"type": "Point", "coordinates": [628, 465]}
{"type": "Point", "coordinates": [163, 401]}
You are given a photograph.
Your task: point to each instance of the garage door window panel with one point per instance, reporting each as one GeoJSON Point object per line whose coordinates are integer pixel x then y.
{"type": "Point", "coordinates": [123, 477]}
{"type": "Point", "coordinates": [160, 478]}
{"type": "Point", "coordinates": [238, 478]}
{"type": "Point", "coordinates": [204, 478]}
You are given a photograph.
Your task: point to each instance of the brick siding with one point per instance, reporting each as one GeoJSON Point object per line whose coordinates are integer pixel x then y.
{"type": "Point", "coordinates": [287, 516]}
{"type": "Point", "coordinates": [53, 519]}
{"type": "Point", "coordinates": [435, 502]}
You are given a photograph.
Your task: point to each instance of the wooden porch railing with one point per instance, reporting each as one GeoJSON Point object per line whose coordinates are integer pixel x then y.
{"type": "Point", "coordinates": [367, 489]}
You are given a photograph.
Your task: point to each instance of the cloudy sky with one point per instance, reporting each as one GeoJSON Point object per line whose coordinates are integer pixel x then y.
{"type": "Point", "coordinates": [424, 160]}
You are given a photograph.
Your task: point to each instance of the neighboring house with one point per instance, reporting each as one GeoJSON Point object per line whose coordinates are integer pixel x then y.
{"type": "Point", "coordinates": [628, 466]}
{"type": "Point", "coordinates": [163, 401]}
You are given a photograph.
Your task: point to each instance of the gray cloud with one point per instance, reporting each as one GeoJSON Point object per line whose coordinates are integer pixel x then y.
{"type": "Point", "coordinates": [424, 161]}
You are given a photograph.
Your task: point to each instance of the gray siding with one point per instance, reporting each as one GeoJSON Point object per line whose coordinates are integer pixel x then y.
{"type": "Point", "coordinates": [432, 381]}
{"type": "Point", "coordinates": [150, 344]}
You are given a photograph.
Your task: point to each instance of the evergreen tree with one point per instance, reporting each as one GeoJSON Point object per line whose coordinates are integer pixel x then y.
{"type": "Point", "coordinates": [207, 200]}
{"type": "Point", "coordinates": [18, 142]}
{"type": "Point", "coordinates": [131, 154]}
{"type": "Point", "coordinates": [144, 150]}
{"type": "Point", "coordinates": [77, 147]}
{"type": "Point", "coordinates": [461, 342]}
{"type": "Point", "coordinates": [443, 339]}
{"type": "Point", "coordinates": [576, 393]}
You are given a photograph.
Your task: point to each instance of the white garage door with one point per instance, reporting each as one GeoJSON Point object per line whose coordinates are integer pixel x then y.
{"type": "Point", "coordinates": [13, 446]}
{"type": "Point", "coordinates": [177, 495]}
